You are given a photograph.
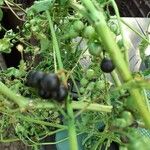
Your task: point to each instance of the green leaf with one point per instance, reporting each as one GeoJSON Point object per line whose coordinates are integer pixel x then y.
{"type": "Point", "coordinates": [13, 72]}
{"type": "Point", "coordinates": [5, 45]}
{"type": "Point", "coordinates": [44, 44]}
{"type": "Point", "coordinates": [40, 6]}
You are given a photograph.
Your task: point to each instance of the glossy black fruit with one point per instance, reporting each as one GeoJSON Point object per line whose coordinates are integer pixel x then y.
{"type": "Point", "coordinates": [107, 65]}
{"type": "Point", "coordinates": [50, 82]}
{"type": "Point", "coordinates": [44, 94]}
{"type": "Point", "coordinates": [34, 78]}
{"type": "Point", "coordinates": [62, 93]}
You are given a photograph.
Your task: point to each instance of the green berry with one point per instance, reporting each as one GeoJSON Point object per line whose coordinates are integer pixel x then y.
{"type": "Point", "coordinates": [84, 82]}
{"type": "Point", "coordinates": [90, 73]}
{"type": "Point", "coordinates": [78, 26]}
{"type": "Point", "coordinates": [82, 90]}
{"type": "Point", "coordinates": [119, 122]}
{"type": "Point", "coordinates": [100, 85]}
{"type": "Point", "coordinates": [27, 25]}
{"type": "Point", "coordinates": [89, 32]}
{"type": "Point", "coordinates": [90, 86]}
{"type": "Point", "coordinates": [95, 49]}
{"type": "Point", "coordinates": [128, 117]}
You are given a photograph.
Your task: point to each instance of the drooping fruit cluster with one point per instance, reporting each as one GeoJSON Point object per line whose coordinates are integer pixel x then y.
{"type": "Point", "coordinates": [48, 85]}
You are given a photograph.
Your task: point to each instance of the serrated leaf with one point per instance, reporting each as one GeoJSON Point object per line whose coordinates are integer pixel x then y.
{"type": "Point", "coordinates": [40, 6]}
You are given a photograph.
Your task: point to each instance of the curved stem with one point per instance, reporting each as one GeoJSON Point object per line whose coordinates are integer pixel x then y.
{"type": "Point", "coordinates": [21, 101]}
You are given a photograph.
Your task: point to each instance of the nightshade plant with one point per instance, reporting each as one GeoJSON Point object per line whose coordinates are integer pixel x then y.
{"type": "Point", "coordinates": [51, 41]}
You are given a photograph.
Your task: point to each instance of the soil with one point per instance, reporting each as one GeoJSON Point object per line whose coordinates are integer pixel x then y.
{"type": "Point", "coordinates": [14, 146]}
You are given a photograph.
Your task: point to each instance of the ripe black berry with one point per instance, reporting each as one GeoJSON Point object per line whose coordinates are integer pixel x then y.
{"type": "Point", "coordinates": [107, 65]}
{"type": "Point", "coordinates": [50, 82]}
{"type": "Point", "coordinates": [62, 93]}
{"type": "Point", "coordinates": [36, 78]}
{"type": "Point", "coordinates": [44, 94]}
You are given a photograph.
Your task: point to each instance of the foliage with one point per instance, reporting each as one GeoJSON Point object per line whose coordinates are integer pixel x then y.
{"type": "Point", "coordinates": [54, 28]}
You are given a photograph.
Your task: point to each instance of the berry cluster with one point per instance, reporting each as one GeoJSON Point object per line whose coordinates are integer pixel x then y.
{"type": "Point", "coordinates": [48, 85]}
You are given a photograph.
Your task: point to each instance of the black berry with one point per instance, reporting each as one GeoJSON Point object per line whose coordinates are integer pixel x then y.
{"type": "Point", "coordinates": [107, 65]}
{"type": "Point", "coordinates": [44, 94]}
{"type": "Point", "coordinates": [29, 78]}
{"type": "Point", "coordinates": [54, 95]}
{"type": "Point", "coordinates": [37, 77]}
{"type": "Point", "coordinates": [62, 93]}
{"type": "Point", "coordinates": [50, 82]}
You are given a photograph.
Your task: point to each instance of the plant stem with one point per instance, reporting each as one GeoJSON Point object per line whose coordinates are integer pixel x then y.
{"type": "Point", "coordinates": [9, 140]}
{"type": "Point", "coordinates": [92, 107]}
{"type": "Point", "coordinates": [122, 33]}
{"type": "Point", "coordinates": [76, 105]}
{"type": "Point", "coordinates": [71, 121]}
{"type": "Point", "coordinates": [21, 101]}
{"type": "Point", "coordinates": [71, 127]}
{"type": "Point", "coordinates": [31, 119]}
{"type": "Point", "coordinates": [116, 78]}
{"type": "Point", "coordinates": [115, 53]}
{"type": "Point", "coordinates": [36, 104]}
{"type": "Point", "coordinates": [55, 42]}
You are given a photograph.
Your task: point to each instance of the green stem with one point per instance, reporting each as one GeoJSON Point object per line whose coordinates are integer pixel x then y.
{"type": "Point", "coordinates": [71, 121]}
{"type": "Point", "coordinates": [21, 101]}
{"type": "Point", "coordinates": [115, 53]}
{"type": "Point", "coordinates": [55, 42]}
{"type": "Point", "coordinates": [77, 106]}
{"type": "Point", "coordinates": [71, 127]}
{"type": "Point", "coordinates": [92, 107]}
{"type": "Point", "coordinates": [116, 78]}
{"type": "Point", "coordinates": [126, 56]}
{"type": "Point", "coordinates": [36, 104]}
{"type": "Point", "coordinates": [31, 119]}
{"type": "Point", "coordinates": [9, 140]}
